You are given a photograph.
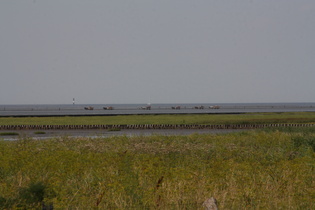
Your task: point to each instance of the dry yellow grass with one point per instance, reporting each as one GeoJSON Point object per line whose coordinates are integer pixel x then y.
{"type": "Point", "coordinates": [248, 170]}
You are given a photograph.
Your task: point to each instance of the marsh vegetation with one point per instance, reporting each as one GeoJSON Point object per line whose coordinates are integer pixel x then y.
{"type": "Point", "coordinates": [9, 134]}
{"type": "Point", "coordinates": [262, 169]}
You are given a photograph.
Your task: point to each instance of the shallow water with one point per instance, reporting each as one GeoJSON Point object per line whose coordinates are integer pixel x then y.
{"type": "Point", "coordinates": [91, 133]}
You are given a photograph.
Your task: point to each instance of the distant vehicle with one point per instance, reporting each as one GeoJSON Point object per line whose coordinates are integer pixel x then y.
{"type": "Point", "coordinates": [108, 108]}
{"type": "Point", "coordinates": [146, 107]}
{"type": "Point", "coordinates": [214, 107]}
{"type": "Point", "coordinates": [175, 107]}
{"type": "Point", "coordinates": [199, 107]}
{"type": "Point", "coordinates": [88, 108]}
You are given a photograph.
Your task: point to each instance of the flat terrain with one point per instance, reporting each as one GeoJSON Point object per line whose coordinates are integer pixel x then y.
{"type": "Point", "coordinates": [257, 169]}
{"type": "Point", "coordinates": [156, 109]}
{"type": "Point", "coordinates": [247, 118]}
{"type": "Point", "coordinates": [97, 133]}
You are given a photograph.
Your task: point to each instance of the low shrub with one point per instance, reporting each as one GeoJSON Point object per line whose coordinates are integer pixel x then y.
{"type": "Point", "coordinates": [114, 129]}
{"type": "Point", "coordinates": [304, 140]}
{"type": "Point", "coordinates": [39, 132]}
{"type": "Point", "coordinates": [9, 134]}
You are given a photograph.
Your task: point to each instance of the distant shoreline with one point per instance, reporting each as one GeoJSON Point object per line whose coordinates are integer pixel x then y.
{"type": "Point", "coordinates": [149, 109]}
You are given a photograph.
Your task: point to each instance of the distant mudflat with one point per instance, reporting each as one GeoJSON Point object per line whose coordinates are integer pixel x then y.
{"type": "Point", "coordinates": [153, 109]}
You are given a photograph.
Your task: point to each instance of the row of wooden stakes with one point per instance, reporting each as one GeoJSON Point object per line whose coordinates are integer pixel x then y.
{"type": "Point", "coordinates": [151, 126]}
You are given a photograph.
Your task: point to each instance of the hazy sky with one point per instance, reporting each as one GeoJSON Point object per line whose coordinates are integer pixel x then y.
{"type": "Point", "coordinates": [157, 51]}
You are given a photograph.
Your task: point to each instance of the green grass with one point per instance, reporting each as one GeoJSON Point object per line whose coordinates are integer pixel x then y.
{"type": "Point", "coordinates": [269, 169]}
{"type": "Point", "coordinates": [259, 118]}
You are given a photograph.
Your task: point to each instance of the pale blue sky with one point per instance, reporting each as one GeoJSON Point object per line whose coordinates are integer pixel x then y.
{"type": "Point", "coordinates": [157, 51]}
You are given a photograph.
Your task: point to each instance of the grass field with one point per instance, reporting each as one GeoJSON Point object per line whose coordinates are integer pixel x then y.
{"type": "Point", "coordinates": [268, 169]}
{"type": "Point", "coordinates": [288, 117]}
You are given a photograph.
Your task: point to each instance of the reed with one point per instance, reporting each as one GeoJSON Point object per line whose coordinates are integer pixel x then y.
{"type": "Point", "coordinates": [244, 170]}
